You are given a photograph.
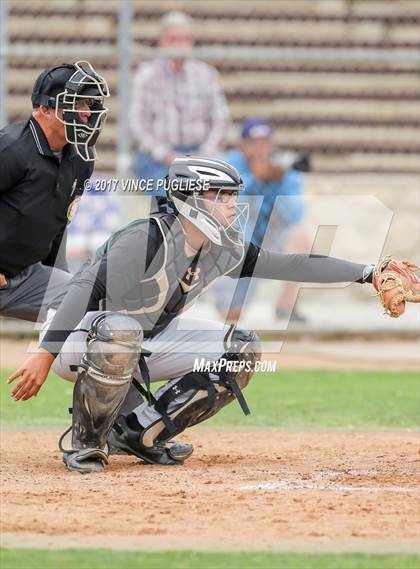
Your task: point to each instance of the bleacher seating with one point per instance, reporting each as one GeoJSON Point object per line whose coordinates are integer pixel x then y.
{"type": "Point", "coordinates": [350, 115]}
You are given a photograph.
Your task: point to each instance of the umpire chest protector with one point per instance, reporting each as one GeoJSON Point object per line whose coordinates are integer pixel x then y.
{"type": "Point", "coordinates": [181, 279]}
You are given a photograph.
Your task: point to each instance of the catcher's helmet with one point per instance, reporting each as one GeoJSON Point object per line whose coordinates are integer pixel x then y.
{"type": "Point", "coordinates": [187, 182]}
{"type": "Point", "coordinates": [66, 87]}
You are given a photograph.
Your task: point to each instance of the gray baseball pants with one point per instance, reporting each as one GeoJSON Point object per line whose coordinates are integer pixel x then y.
{"type": "Point", "coordinates": [27, 294]}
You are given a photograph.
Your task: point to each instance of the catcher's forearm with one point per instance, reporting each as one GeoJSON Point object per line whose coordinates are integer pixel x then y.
{"type": "Point", "coordinates": [309, 268]}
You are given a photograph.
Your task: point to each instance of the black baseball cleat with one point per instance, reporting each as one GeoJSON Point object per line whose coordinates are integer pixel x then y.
{"type": "Point", "coordinates": [123, 439]}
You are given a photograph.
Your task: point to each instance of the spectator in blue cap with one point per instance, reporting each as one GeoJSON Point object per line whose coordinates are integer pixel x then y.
{"type": "Point", "coordinates": [275, 215]}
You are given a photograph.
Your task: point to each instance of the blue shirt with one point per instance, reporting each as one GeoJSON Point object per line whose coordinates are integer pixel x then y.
{"type": "Point", "coordinates": [290, 211]}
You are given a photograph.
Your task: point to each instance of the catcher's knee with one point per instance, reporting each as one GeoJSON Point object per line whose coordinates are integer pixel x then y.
{"type": "Point", "coordinates": [243, 350]}
{"type": "Point", "coordinates": [199, 395]}
{"type": "Point", "coordinates": [113, 345]}
{"type": "Point", "coordinates": [104, 378]}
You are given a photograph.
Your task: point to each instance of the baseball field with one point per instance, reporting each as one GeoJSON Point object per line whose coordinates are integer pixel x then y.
{"type": "Point", "coordinates": [323, 474]}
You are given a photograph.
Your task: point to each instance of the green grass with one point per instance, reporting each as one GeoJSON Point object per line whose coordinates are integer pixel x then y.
{"type": "Point", "coordinates": [100, 559]}
{"type": "Point", "coordinates": [48, 410]}
{"type": "Point", "coordinates": [284, 400]}
{"type": "Point", "coordinates": [329, 399]}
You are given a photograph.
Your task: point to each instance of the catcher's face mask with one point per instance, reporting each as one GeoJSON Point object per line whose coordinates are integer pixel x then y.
{"type": "Point", "coordinates": [83, 111]}
{"type": "Point", "coordinates": [223, 227]}
{"type": "Point", "coordinates": [213, 208]}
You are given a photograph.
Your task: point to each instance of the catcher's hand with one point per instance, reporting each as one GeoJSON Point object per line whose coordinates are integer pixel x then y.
{"type": "Point", "coordinates": [396, 283]}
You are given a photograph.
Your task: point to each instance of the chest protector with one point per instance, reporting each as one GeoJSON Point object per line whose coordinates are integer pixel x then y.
{"type": "Point", "coordinates": [176, 285]}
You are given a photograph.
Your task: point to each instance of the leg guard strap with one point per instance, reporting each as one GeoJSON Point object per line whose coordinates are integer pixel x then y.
{"type": "Point", "coordinates": [187, 383]}
{"type": "Point", "coordinates": [228, 379]}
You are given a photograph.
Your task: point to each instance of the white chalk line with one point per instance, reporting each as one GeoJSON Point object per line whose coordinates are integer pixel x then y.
{"type": "Point", "coordinates": [298, 485]}
{"type": "Point", "coordinates": [350, 472]}
{"type": "Point", "coordinates": [316, 484]}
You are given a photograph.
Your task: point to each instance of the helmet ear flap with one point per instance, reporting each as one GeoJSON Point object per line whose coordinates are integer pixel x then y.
{"type": "Point", "coordinates": [166, 203]}
{"type": "Point", "coordinates": [166, 185]}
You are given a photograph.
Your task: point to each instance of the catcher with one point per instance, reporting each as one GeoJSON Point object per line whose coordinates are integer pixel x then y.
{"type": "Point", "coordinates": [118, 326]}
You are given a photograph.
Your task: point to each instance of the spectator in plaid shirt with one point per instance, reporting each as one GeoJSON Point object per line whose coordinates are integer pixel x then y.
{"type": "Point", "coordinates": [178, 106]}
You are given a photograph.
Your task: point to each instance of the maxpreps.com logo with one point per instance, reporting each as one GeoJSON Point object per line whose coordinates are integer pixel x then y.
{"type": "Point", "coordinates": [202, 365]}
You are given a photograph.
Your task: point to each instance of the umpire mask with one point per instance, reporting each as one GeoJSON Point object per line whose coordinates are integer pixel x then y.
{"type": "Point", "coordinates": [78, 91]}
{"type": "Point", "coordinates": [83, 111]}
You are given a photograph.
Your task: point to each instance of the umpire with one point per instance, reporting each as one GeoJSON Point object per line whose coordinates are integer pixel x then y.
{"type": "Point", "coordinates": [44, 163]}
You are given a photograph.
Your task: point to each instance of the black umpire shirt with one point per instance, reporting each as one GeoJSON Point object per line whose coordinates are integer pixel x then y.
{"type": "Point", "coordinates": [38, 194]}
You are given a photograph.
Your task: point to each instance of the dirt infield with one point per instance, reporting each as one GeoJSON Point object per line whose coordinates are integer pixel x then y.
{"type": "Point", "coordinates": [247, 490]}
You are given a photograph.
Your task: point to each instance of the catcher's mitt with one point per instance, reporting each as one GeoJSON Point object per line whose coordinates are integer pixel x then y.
{"type": "Point", "coordinates": [396, 283]}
